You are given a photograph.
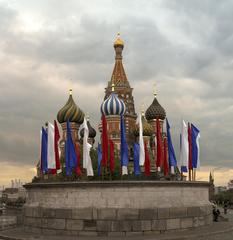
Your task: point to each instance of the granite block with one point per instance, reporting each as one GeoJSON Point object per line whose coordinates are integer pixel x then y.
{"type": "Point", "coordinates": [148, 214]}
{"type": "Point", "coordinates": [74, 224]}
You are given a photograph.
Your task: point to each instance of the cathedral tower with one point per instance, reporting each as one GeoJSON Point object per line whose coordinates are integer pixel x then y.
{"type": "Point", "coordinates": [123, 90]}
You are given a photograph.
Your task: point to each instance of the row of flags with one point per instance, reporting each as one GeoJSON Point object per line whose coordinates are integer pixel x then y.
{"type": "Point", "coordinates": [165, 154]}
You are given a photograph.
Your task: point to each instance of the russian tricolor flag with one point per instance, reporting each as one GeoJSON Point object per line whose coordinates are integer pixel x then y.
{"type": "Point", "coordinates": [195, 147]}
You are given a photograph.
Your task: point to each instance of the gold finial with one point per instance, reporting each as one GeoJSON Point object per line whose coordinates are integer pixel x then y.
{"type": "Point", "coordinates": [70, 91]}
{"type": "Point", "coordinates": [142, 109]}
{"type": "Point", "coordinates": [154, 90]}
{"type": "Point", "coordinates": [118, 41]}
{"type": "Point", "coordinates": [113, 87]}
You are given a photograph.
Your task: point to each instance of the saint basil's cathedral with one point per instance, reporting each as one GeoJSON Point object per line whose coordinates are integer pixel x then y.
{"type": "Point", "coordinates": [118, 100]}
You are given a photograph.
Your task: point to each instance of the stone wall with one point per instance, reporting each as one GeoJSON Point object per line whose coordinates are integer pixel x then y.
{"type": "Point", "coordinates": [116, 208]}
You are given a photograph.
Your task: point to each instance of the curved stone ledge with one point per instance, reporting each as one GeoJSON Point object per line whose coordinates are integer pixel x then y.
{"type": "Point", "coordinates": [116, 208]}
{"type": "Point", "coordinates": [123, 183]}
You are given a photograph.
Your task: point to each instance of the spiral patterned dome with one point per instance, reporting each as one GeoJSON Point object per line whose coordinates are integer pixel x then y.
{"type": "Point", "coordinates": [92, 131]}
{"type": "Point", "coordinates": [155, 110]}
{"type": "Point", "coordinates": [113, 105]}
{"type": "Point", "coordinates": [147, 128]}
{"type": "Point", "coordinates": [70, 112]}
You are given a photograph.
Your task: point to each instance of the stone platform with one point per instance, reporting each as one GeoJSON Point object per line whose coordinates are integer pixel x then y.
{"type": "Point", "coordinates": [116, 208]}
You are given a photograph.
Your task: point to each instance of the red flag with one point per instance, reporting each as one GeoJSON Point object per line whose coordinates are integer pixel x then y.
{"type": "Point", "coordinates": [165, 165]}
{"type": "Point", "coordinates": [112, 157]}
{"type": "Point", "coordinates": [78, 154]}
{"type": "Point", "coordinates": [147, 160]}
{"type": "Point", "coordinates": [159, 161]}
{"type": "Point", "coordinates": [190, 146]}
{"type": "Point", "coordinates": [104, 142]}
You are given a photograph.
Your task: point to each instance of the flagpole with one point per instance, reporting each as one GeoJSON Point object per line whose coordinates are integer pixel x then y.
{"type": "Point", "coordinates": [194, 174]}
{"type": "Point", "coordinates": [190, 174]}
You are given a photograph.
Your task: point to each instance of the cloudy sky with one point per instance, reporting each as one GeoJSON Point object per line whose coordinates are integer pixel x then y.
{"type": "Point", "coordinates": [49, 46]}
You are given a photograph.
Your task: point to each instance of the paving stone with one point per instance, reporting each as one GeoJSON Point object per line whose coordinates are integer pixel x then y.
{"type": "Point", "coordinates": [148, 214]}
{"type": "Point", "coordinates": [56, 223]}
{"type": "Point", "coordinates": [163, 213]}
{"type": "Point", "coordinates": [63, 213]}
{"type": "Point", "coordinates": [173, 223]}
{"type": "Point", "coordinates": [108, 213]}
{"type": "Point", "coordinates": [37, 212]}
{"type": "Point", "coordinates": [186, 222]}
{"type": "Point", "coordinates": [89, 225]}
{"type": "Point", "coordinates": [116, 234]}
{"type": "Point", "coordinates": [49, 231]}
{"type": "Point", "coordinates": [82, 213]}
{"type": "Point", "coordinates": [88, 233]}
{"type": "Point", "coordinates": [126, 226]}
{"type": "Point", "coordinates": [94, 213]}
{"type": "Point", "coordinates": [74, 224]}
{"type": "Point", "coordinates": [150, 232]}
{"type": "Point", "coordinates": [68, 233]}
{"type": "Point", "coordinates": [132, 234]}
{"type": "Point", "coordinates": [44, 222]}
{"type": "Point", "coordinates": [209, 209]}
{"type": "Point", "coordinates": [104, 226]}
{"type": "Point", "coordinates": [158, 225]}
{"type": "Point", "coordinates": [177, 212]}
{"type": "Point", "coordinates": [193, 211]}
{"type": "Point", "coordinates": [49, 212]}
{"type": "Point", "coordinates": [32, 212]}
{"type": "Point", "coordinates": [203, 210]}
{"type": "Point", "coordinates": [34, 222]}
{"type": "Point", "coordinates": [195, 222]}
{"type": "Point", "coordinates": [209, 219]}
{"type": "Point", "coordinates": [19, 220]}
{"type": "Point", "coordinates": [122, 225]}
{"type": "Point", "coordinates": [201, 221]}
{"type": "Point", "coordinates": [62, 232]}
{"type": "Point", "coordinates": [141, 225]}
{"type": "Point", "coordinates": [127, 213]}
{"type": "Point", "coordinates": [102, 234]}
{"type": "Point", "coordinates": [28, 212]}
{"type": "Point", "coordinates": [35, 230]}
{"type": "Point", "coordinates": [146, 225]}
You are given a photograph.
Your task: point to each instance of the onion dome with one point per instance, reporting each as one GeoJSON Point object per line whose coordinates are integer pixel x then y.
{"type": "Point", "coordinates": [113, 105]}
{"type": "Point", "coordinates": [118, 42]}
{"type": "Point", "coordinates": [92, 131]}
{"type": "Point", "coordinates": [147, 128]}
{"type": "Point", "coordinates": [70, 112]}
{"type": "Point", "coordinates": [155, 110]}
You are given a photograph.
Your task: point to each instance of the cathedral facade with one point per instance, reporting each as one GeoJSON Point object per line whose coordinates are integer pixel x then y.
{"type": "Point", "coordinates": [118, 100]}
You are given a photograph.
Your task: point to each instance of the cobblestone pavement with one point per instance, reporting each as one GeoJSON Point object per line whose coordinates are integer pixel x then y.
{"type": "Point", "coordinates": [217, 231]}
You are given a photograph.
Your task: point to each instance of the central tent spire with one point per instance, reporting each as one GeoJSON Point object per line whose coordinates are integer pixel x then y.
{"type": "Point", "coordinates": [118, 76]}
{"type": "Point", "coordinates": [119, 84]}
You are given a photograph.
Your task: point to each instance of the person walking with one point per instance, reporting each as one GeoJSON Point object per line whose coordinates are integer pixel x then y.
{"type": "Point", "coordinates": [225, 208]}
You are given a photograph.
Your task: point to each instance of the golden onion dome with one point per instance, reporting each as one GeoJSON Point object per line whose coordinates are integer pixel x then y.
{"type": "Point", "coordinates": [70, 112]}
{"type": "Point", "coordinates": [147, 128]}
{"type": "Point", "coordinates": [118, 41]}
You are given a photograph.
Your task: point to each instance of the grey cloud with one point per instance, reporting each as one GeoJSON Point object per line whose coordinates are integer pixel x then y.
{"type": "Point", "coordinates": [76, 50]}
